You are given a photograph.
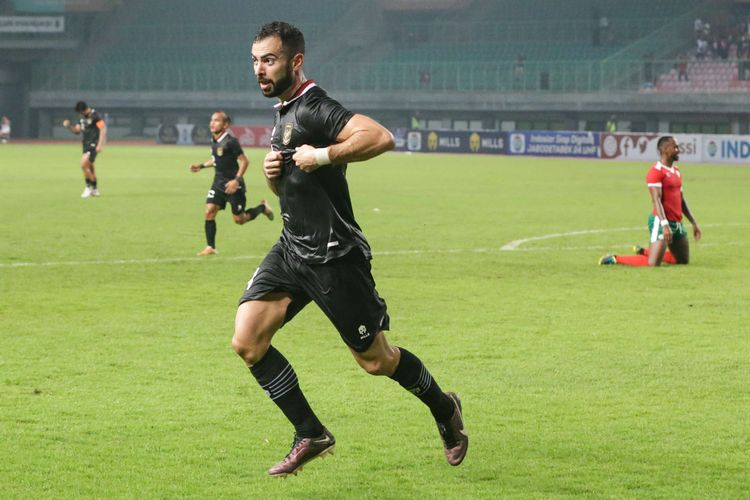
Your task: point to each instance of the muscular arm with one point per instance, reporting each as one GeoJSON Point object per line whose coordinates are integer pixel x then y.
{"type": "Point", "coordinates": [198, 166]}
{"type": "Point", "coordinates": [233, 185]}
{"type": "Point", "coordinates": [655, 193]}
{"type": "Point", "coordinates": [361, 138]}
{"type": "Point", "coordinates": [697, 233]}
{"type": "Point", "coordinates": [102, 137]}
{"type": "Point", "coordinates": [76, 129]}
{"type": "Point", "coordinates": [243, 163]}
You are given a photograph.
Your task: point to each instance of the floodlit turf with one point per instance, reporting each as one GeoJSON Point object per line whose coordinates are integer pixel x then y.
{"type": "Point", "coordinates": [117, 378]}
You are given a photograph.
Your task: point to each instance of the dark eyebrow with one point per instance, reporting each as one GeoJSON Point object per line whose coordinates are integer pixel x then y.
{"type": "Point", "coordinates": [265, 55]}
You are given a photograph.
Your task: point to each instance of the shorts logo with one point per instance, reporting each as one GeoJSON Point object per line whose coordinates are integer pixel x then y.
{"type": "Point", "coordinates": [363, 333]}
{"type": "Point", "coordinates": [211, 193]}
{"type": "Point", "coordinates": [287, 133]}
{"type": "Point", "coordinates": [219, 151]}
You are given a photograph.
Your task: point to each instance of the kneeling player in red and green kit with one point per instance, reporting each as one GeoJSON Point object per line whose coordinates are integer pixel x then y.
{"type": "Point", "coordinates": [669, 239]}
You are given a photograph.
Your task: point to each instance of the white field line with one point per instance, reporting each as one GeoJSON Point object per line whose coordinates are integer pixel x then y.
{"type": "Point", "coordinates": [514, 245]}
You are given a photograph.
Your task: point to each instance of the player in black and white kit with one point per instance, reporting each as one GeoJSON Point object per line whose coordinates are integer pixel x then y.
{"type": "Point", "coordinates": [322, 255]}
{"type": "Point", "coordinates": [94, 131]}
{"type": "Point", "coordinates": [230, 163]}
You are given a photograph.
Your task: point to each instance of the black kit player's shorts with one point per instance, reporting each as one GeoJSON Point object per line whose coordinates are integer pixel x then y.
{"type": "Point", "coordinates": [91, 150]}
{"type": "Point", "coordinates": [217, 196]}
{"type": "Point", "coordinates": [343, 288]}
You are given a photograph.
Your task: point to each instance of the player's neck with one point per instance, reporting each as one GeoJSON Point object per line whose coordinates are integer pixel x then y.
{"type": "Point", "coordinates": [667, 162]}
{"type": "Point", "coordinates": [292, 91]}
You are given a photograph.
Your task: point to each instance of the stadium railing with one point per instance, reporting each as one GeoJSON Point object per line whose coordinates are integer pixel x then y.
{"type": "Point", "coordinates": [498, 76]}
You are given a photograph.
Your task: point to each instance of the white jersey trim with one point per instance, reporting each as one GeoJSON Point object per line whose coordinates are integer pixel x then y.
{"type": "Point", "coordinates": [304, 91]}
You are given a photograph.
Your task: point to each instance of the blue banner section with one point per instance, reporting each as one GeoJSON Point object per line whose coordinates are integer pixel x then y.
{"type": "Point", "coordinates": [544, 143]}
{"type": "Point", "coordinates": [438, 141]}
{"type": "Point", "coordinates": [725, 148]}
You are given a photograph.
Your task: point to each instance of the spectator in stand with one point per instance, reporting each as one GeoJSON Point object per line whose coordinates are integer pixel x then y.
{"type": "Point", "coordinates": [4, 129]}
{"type": "Point", "coordinates": [612, 124]}
{"type": "Point", "coordinates": [425, 78]}
{"type": "Point", "coordinates": [698, 26]}
{"type": "Point", "coordinates": [682, 68]}
{"type": "Point", "coordinates": [722, 48]}
{"type": "Point", "coordinates": [701, 49]}
{"type": "Point", "coordinates": [519, 72]}
{"type": "Point", "coordinates": [605, 35]}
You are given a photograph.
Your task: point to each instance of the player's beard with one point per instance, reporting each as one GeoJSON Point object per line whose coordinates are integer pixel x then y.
{"type": "Point", "coordinates": [282, 84]}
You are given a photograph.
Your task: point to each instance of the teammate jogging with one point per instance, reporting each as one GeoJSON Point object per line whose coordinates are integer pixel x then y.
{"type": "Point", "coordinates": [230, 163]}
{"type": "Point", "coordinates": [322, 255]}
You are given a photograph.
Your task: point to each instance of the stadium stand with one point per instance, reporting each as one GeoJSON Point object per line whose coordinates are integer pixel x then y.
{"type": "Point", "coordinates": [705, 76]}
{"type": "Point", "coordinates": [562, 46]}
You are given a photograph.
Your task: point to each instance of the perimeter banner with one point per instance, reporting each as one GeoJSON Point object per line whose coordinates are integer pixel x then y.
{"type": "Point", "coordinates": [642, 147]}
{"type": "Point", "coordinates": [448, 141]}
{"type": "Point", "coordinates": [252, 136]}
{"type": "Point", "coordinates": [726, 148]}
{"type": "Point", "coordinates": [549, 143]}
{"type": "Point", "coordinates": [188, 133]}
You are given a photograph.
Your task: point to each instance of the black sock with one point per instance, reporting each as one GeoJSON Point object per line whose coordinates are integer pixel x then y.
{"type": "Point", "coordinates": [93, 184]}
{"type": "Point", "coordinates": [277, 378]}
{"type": "Point", "coordinates": [413, 376]}
{"type": "Point", "coordinates": [255, 211]}
{"type": "Point", "coordinates": [88, 183]}
{"type": "Point", "coordinates": [211, 233]}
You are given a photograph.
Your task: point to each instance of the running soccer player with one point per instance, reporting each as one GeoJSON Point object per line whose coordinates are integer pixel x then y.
{"type": "Point", "coordinates": [664, 182]}
{"type": "Point", "coordinates": [94, 131]}
{"type": "Point", "coordinates": [322, 254]}
{"type": "Point", "coordinates": [230, 164]}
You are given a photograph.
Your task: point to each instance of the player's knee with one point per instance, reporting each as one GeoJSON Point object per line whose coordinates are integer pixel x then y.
{"type": "Point", "coordinates": [239, 219]}
{"type": "Point", "coordinates": [250, 352]}
{"type": "Point", "coordinates": [373, 366]}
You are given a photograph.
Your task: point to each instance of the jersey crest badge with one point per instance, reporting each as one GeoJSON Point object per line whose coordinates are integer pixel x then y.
{"type": "Point", "coordinates": [287, 133]}
{"type": "Point", "coordinates": [219, 151]}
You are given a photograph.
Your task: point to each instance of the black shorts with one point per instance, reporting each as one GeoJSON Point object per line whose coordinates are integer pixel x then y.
{"type": "Point", "coordinates": [91, 150]}
{"type": "Point", "coordinates": [343, 288]}
{"type": "Point", "coordinates": [217, 196]}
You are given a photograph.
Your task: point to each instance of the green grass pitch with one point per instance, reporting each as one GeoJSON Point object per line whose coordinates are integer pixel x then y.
{"type": "Point", "coordinates": [117, 378]}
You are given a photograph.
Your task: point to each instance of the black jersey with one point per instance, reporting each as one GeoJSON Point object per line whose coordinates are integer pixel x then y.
{"type": "Point", "coordinates": [90, 129]}
{"type": "Point", "coordinates": [225, 150]}
{"type": "Point", "coordinates": [316, 208]}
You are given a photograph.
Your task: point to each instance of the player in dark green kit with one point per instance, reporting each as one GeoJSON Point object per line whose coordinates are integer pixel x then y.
{"type": "Point", "coordinates": [322, 255]}
{"type": "Point", "coordinates": [230, 163]}
{"type": "Point", "coordinates": [94, 131]}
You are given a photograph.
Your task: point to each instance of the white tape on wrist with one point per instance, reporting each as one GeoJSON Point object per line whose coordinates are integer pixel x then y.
{"type": "Point", "coordinates": [664, 222]}
{"type": "Point", "coordinates": [321, 157]}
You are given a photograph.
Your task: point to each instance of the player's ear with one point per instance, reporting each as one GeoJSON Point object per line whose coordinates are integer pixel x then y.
{"type": "Point", "coordinates": [297, 61]}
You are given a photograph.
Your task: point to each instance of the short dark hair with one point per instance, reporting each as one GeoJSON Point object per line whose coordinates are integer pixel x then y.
{"type": "Point", "coordinates": [662, 141]}
{"type": "Point", "coordinates": [81, 106]}
{"type": "Point", "coordinates": [225, 115]}
{"type": "Point", "coordinates": [292, 39]}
